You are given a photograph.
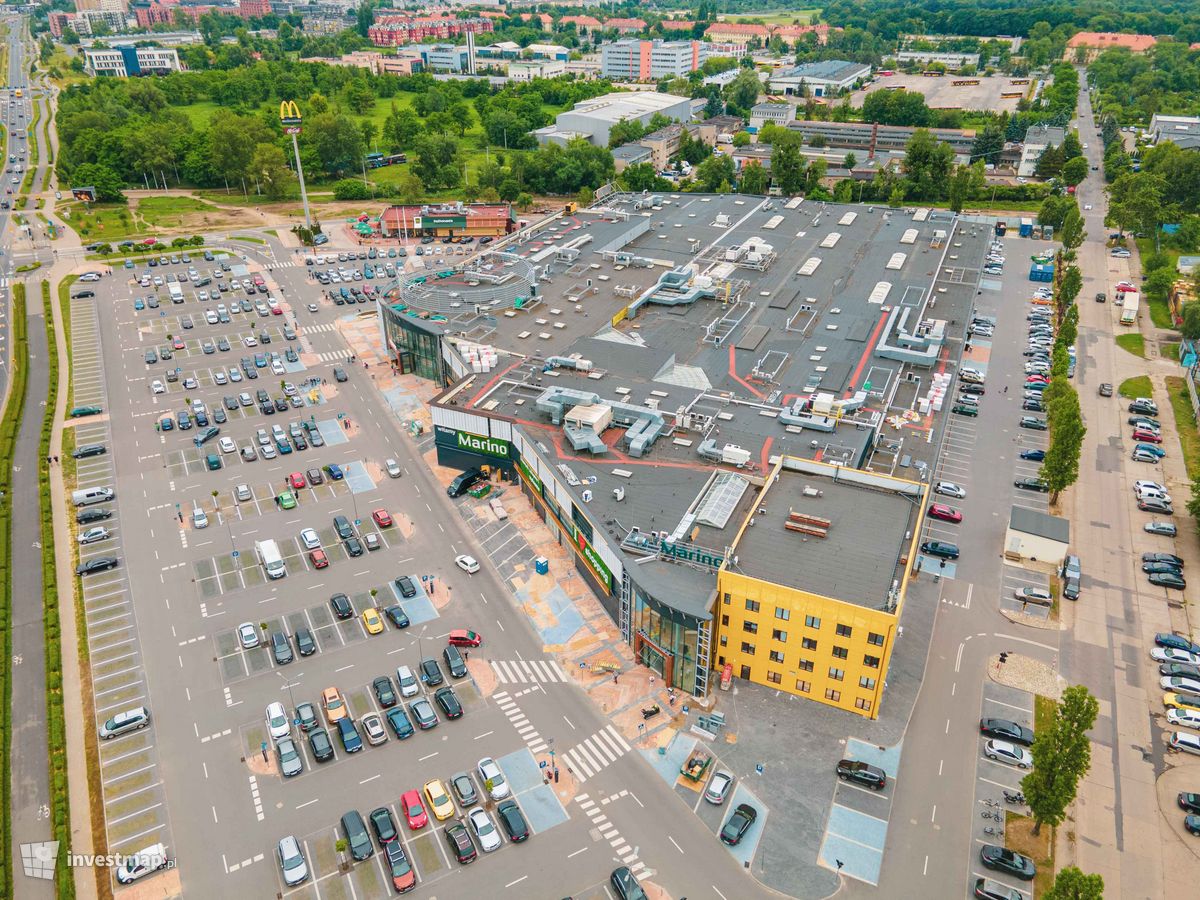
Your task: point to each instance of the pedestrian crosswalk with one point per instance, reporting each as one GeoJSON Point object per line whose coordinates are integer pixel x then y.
{"type": "Point", "coordinates": [595, 813]}
{"type": "Point", "coordinates": [513, 713]}
{"type": "Point", "coordinates": [335, 356]}
{"type": "Point", "coordinates": [595, 753]}
{"type": "Point", "coordinates": [322, 326]}
{"type": "Point", "coordinates": [531, 671]}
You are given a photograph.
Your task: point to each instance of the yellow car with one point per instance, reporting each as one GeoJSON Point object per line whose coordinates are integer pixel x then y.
{"type": "Point", "coordinates": [372, 621]}
{"type": "Point", "coordinates": [440, 803]}
{"type": "Point", "coordinates": [1181, 701]}
{"type": "Point", "coordinates": [335, 707]}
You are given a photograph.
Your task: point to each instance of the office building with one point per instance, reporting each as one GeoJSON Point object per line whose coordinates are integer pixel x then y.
{"type": "Point", "coordinates": [1183, 131]}
{"type": "Point", "coordinates": [634, 60]}
{"type": "Point", "coordinates": [1038, 138]}
{"type": "Point", "coordinates": [826, 78]}
{"type": "Point", "coordinates": [123, 62]}
{"type": "Point", "coordinates": [529, 69]}
{"type": "Point", "coordinates": [775, 113]}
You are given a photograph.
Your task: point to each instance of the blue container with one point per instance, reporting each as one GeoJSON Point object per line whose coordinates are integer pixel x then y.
{"type": "Point", "coordinates": [541, 565]}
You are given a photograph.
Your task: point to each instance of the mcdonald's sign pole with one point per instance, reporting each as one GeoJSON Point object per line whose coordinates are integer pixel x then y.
{"type": "Point", "coordinates": [289, 116]}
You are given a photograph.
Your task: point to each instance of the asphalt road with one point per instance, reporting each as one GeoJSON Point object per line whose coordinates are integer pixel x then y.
{"type": "Point", "coordinates": [208, 697]}
{"type": "Point", "coordinates": [29, 771]}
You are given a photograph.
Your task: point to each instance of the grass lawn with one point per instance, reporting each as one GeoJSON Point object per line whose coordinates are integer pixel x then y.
{"type": "Point", "coordinates": [248, 239]}
{"type": "Point", "coordinates": [1019, 836]}
{"type": "Point", "coordinates": [199, 112]}
{"type": "Point", "coordinates": [1160, 311]}
{"type": "Point", "coordinates": [1043, 713]}
{"type": "Point", "coordinates": [169, 211]}
{"type": "Point", "coordinates": [799, 17]}
{"type": "Point", "coordinates": [1171, 351]}
{"type": "Point", "coordinates": [1136, 387]}
{"type": "Point", "coordinates": [1185, 424]}
{"type": "Point", "coordinates": [101, 221]}
{"type": "Point", "coordinates": [1132, 343]}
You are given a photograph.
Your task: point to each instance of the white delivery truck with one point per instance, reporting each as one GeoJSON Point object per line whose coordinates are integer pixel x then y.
{"type": "Point", "coordinates": [271, 558]}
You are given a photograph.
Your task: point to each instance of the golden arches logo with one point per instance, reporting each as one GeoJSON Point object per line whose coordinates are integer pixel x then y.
{"type": "Point", "coordinates": [289, 111]}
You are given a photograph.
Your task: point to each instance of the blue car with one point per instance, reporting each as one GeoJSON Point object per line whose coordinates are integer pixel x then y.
{"type": "Point", "coordinates": [1035, 455]}
{"type": "Point", "coordinates": [1175, 642]}
{"type": "Point", "coordinates": [335, 472]}
{"type": "Point", "coordinates": [398, 719]}
{"type": "Point", "coordinates": [167, 424]}
{"type": "Point", "coordinates": [284, 447]}
{"type": "Point", "coordinates": [1151, 448]}
{"type": "Point", "coordinates": [349, 735]}
{"type": "Point", "coordinates": [260, 360]}
{"type": "Point", "coordinates": [139, 304]}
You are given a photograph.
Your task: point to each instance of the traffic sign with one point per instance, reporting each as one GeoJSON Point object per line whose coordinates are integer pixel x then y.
{"type": "Point", "coordinates": [236, 553]}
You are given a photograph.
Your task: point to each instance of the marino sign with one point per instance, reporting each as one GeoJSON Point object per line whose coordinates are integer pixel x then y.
{"type": "Point", "coordinates": [690, 553]}
{"type": "Point", "coordinates": [476, 443]}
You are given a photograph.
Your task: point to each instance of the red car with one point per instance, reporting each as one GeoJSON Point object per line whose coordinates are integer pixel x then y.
{"type": "Point", "coordinates": [1037, 379]}
{"type": "Point", "coordinates": [461, 637]}
{"type": "Point", "coordinates": [1151, 437]}
{"type": "Point", "coordinates": [944, 512]}
{"type": "Point", "coordinates": [414, 810]}
{"type": "Point", "coordinates": [277, 310]}
{"type": "Point", "coordinates": [1124, 286]}
{"type": "Point", "coordinates": [382, 518]}
{"type": "Point", "coordinates": [178, 343]}
{"type": "Point", "coordinates": [296, 480]}
{"type": "Point", "coordinates": [318, 559]}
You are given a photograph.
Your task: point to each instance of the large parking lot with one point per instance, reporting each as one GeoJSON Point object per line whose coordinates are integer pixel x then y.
{"type": "Point", "coordinates": [208, 472]}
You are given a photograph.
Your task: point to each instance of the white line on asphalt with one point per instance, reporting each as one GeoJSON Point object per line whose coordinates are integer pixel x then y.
{"type": "Point", "coordinates": [479, 737]}
{"type": "Point", "coordinates": [372, 778]}
{"type": "Point", "coordinates": [1023, 709]}
{"type": "Point", "coordinates": [569, 722]}
{"type": "Point", "coordinates": [518, 881]}
{"type": "Point", "coordinates": [430, 756]}
{"type": "Point", "coordinates": [308, 803]}
{"type": "Point", "coordinates": [958, 659]}
{"type": "Point", "coordinates": [577, 852]}
{"type": "Point", "coordinates": [672, 840]}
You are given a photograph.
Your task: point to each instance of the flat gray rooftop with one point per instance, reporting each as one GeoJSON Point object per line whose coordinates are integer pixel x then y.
{"type": "Point", "coordinates": [859, 558]}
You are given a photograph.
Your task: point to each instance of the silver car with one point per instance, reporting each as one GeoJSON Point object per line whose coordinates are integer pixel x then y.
{"type": "Point", "coordinates": [289, 759]}
{"type": "Point", "coordinates": [291, 861]}
{"type": "Point", "coordinates": [493, 779]}
{"type": "Point", "coordinates": [719, 787]}
{"type": "Point", "coordinates": [950, 489]}
{"type": "Point", "coordinates": [485, 832]}
{"type": "Point", "coordinates": [1003, 751]}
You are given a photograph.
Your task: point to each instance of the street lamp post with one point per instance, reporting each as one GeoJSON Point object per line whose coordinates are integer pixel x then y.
{"type": "Point", "coordinates": [289, 115]}
{"type": "Point", "coordinates": [288, 685]}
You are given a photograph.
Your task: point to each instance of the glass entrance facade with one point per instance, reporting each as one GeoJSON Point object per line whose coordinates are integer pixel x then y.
{"type": "Point", "coordinates": [416, 348]}
{"type": "Point", "coordinates": [666, 641]}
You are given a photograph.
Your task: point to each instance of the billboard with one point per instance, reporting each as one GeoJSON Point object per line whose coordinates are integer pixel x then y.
{"type": "Point", "coordinates": [86, 194]}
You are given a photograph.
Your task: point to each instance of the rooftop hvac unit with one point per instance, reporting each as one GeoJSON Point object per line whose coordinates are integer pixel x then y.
{"type": "Point", "coordinates": [587, 496]}
{"type": "Point", "coordinates": [618, 494]}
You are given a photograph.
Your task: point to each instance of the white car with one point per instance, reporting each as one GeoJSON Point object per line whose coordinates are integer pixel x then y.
{"type": "Point", "coordinates": [1180, 684]}
{"type": "Point", "coordinates": [392, 467]}
{"type": "Point", "coordinates": [291, 861]}
{"type": "Point", "coordinates": [266, 451]}
{"type": "Point", "coordinates": [409, 686]}
{"type": "Point", "coordinates": [1040, 596]}
{"type": "Point", "coordinates": [88, 276]}
{"type": "Point", "coordinates": [949, 489]}
{"type": "Point", "coordinates": [242, 492]}
{"type": "Point", "coordinates": [1139, 486]}
{"type": "Point", "coordinates": [1189, 718]}
{"type": "Point", "coordinates": [493, 779]}
{"type": "Point", "coordinates": [158, 387]}
{"type": "Point", "coordinates": [1003, 751]}
{"type": "Point", "coordinates": [248, 636]}
{"type": "Point", "coordinates": [1171, 655]}
{"type": "Point", "coordinates": [277, 721]}
{"type": "Point", "coordinates": [92, 535]}
{"type": "Point", "coordinates": [227, 445]}
{"type": "Point", "coordinates": [1087, 206]}
{"type": "Point", "coordinates": [1181, 740]}
{"type": "Point", "coordinates": [250, 341]}
{"type": "Point", "coordinates": [220, 377]}
{"type": "Point", "coordinates": [277, 368]}
{"type": "Point", "coordinates": [467, 563]}
{"type": "Point", "coordinates": [211, 317]}
{"type": "Point", "coordinates": [310, 539]}
{"type": "Point", "coordinates": [485, 831]}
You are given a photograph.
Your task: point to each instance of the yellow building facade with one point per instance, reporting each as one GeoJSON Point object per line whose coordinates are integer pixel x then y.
{"type": "Point", "coordinates": [834, 651]}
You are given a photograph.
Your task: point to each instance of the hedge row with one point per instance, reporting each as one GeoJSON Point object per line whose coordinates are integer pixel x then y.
{"type": "Point", "coordinates": [60, 799]}
{"type": "Point", "coordinates": [33, 144]}
{"type": "Point", "coordinates": [9, 428]}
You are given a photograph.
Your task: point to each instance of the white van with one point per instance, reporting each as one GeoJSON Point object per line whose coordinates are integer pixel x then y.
{"type": "Point", "coordinates": [135, 865]}
{"type": "Point", "coordinates": [88, 496]}
{"type": "Point", "coordinates": [271, 558]}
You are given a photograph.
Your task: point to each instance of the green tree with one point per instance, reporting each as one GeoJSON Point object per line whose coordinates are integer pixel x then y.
{"type": "Point", "coordinates": [741, 139]}
{"type": "Point", "coordinates": [1072, 884]}
{"type": "Point", "coordinates": [336, 141]}
{"type": "Point", "coordinates": [927, 163]}
{"type": "Point", "coordinates": [896, 197]}
{"type": "Point", "coordinates": [965, 181]}
{"type": "Point", "coordinates": [1191, 321]}
{"type": "Point", "coordinates": [754, 179]}
{"type": "Point", "coordinates": [364, 17]}
{"type": "Point", "coordinates": [269, 166]}
{"type": "Point", "coordinates": [350, 189]}
{"type": "Point", "coordinates": [714, 171]}
{"type": "Point", "coordinates": [1070, 231]}
{"type": "Point", "coordinates": [1061, 757]}
{"type": "Point", "coordinates": [1074, 170]}
{"type": "Point", "coordinates": [1060, 468]}
{"type": "Point", "coordinates": [850, 161]}
{"type": "Point", "coordinates": [437, 156]}
{"type": "Point", "coordinates": [410, 188]}
{"type": "Point", "coordinates": [103, 178]}
{"type": "Point", "coordinates": [743, 91]}
{"type": "Point", "coordinates": [625, 131]}
{"type": "Point", "coordinates": [787, 167]}
{"type": "Point", "coordinates": [401, 129]}
{"type": "Point", "coordinates": [585, 197]}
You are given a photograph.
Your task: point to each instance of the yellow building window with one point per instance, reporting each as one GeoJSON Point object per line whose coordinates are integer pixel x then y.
{"type": "Point", "coordinates": [777, 635]}
{"type": "Point", "coordinates": [871, 662]}
{"type": "Point", "coordinates": [806, 665]}
{"type": "Point", "coordinates": [774, 677]}
{"type": "Point", "coordinates": [803, 686]}
{"type": "Point", "coordinates": [836, 674]}
{"type": "Point", "coordinates": [831, 694]}
{"type": "Point", "coordinates": [808, 643]}
{"type": "Point", "coordinates": [876, 639]}
{"type": "Point", "coordinates": [776, 656]}
{"type": "Point", "coordinates": [844, 630]}
{"type": "Point", "coordinates": [863, 704]}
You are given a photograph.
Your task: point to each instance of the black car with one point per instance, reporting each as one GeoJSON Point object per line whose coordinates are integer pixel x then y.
{"type": "Point", "coordinates": [976, 389]}
{"type": "Point", "coordinates": [342, 526]}
{"type": "Point", "coordinates": [341, 606]}
{"type": "Point", "coordinates": [321, 746]}
{"type": "Point", "coordinates": [306, 715]}
{"type": "Point", "coordinates": [101, 564]}
{"type": "Point", "coordinates": [281, 647]}
{"type": "Point", "coordinates": [1144, 407]}
{"type": "Point", "coordinates": [1033, 405]}
{"type": "Point", "coordinates": [383, 825]}
{"type": "Point", "coordinates": [448, 701]}
{"type": "Point", "coordinates": [513, 821]}
{"type": "Point", "coordinates": [356, 836]}
{"type": "Point", "coordinates": [1004, 860]}
{"type": "Point", "coordinates": [1189, 803]}
{"type": "Point", "coordinates": [93, 515]}
{"type": "Point", "coordinates": [340, 375]}
{"type": "Point", "coordinates": [384, 692]}
{"type": "Point", "coordinates": [353, 546]}
{"type": "Point", "coordinates": [464, 790]}
{"type": "Point", "coordinates": [862, 773]}
{"type": "Point", "coordinates": [231, 403]}
{"type": "Point", "coordinates": [405, 586]}
{"type": "Point", "coordinates": [1160, 568]}
{"type": "Point", "coordinates": [431, 672]}
{"type": "Point", "coordinates": [398, 616]}
{"type": "Point", "coordinates": [1169, 558]}
{"type": "Point", "coordinates": [454, 662]}
{"type": "Point", "coordinates": [940, 548]}
{"type": "Point", "coordinates": [315, 476]}
{"type": "Point", "coordinates": [738, 824]}
{"type": "Point", "coordinates": [626, 885]}
{"type": "Point", "coordinates": [1006, 731]}
{"type": "Point", "coordinates": [1031, 484]}
{"type": "Point", "coordinates": [1034, 455]}
{"type": "Point", "coordinates": [460, 843]}
{"type": "Point", "coordinates": [281, 404]}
